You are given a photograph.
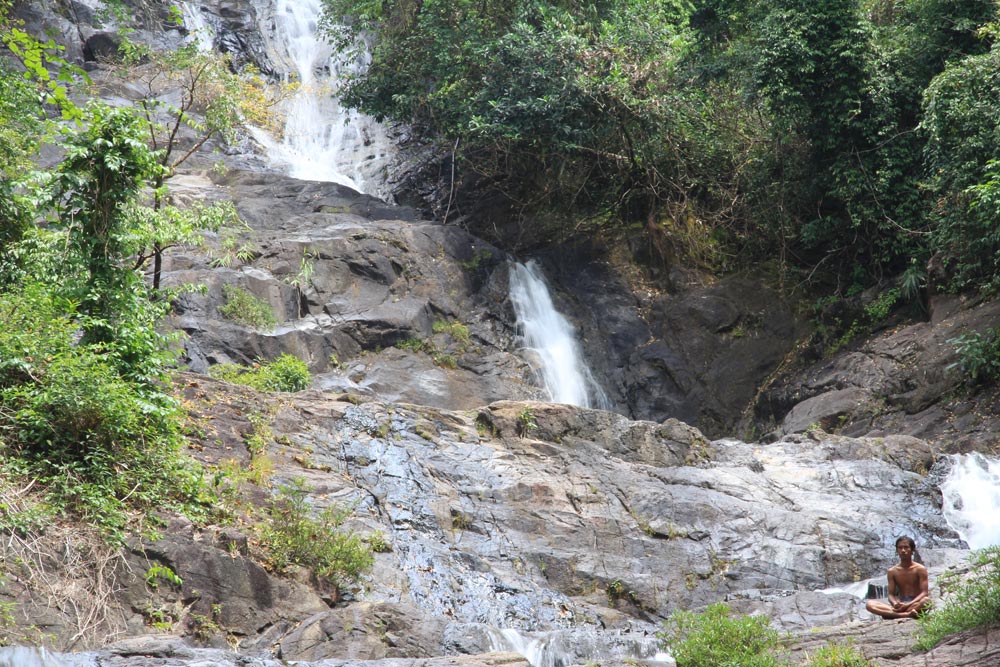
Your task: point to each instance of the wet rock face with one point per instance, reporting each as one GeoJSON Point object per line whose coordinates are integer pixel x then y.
{"type": "Point", "coordinates": [539, 517]}
{"type": "Point", "coordinates": [906, 381]}
{"type": "Point", "coordinates": [585, 515]}
{"type": "Point", "coordinates": [697, 354]}
{"type": "Point", "coordinates": [376, 302]}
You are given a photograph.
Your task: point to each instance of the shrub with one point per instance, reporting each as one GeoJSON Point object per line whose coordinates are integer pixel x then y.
{"type": "Point", "coordinates": [972, 603]}
{"type": "Point", "coordinates": [978, 356]}
{"type": "Point", "coordinates": [837, 655]}
{"type": "Point", "coordinates": [244, 308]}
{"type": "Point", "coordinates": [715, 637]}
{"type": "Point", "coordinates": [286, 373]}
{"type": "Point", "coordinates": [293, 535]}
{"type": "Point", "coordinates": [98, 444]}
{"type": "Point", "coordinates": [458, 331]}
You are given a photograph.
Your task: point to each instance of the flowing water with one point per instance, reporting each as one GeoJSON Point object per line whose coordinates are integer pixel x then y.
{"type": "Point", "coordinates": [321, 140]}
{"type": "Point", "coordinates": [971, 499]}
{"type": "Point", "coordinates": [30, 656]}
{"type": "Point", "coordinates": [560, 648]}
{"type": "Point", "coordinates": [199, 31]}
{"type": "Point", "coordinates": [551, 337]}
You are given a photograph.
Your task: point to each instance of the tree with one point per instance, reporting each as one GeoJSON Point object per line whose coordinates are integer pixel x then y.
{"type": "Point", "coordinates": [212, 101]}
{"type": "Point", "coordinates": [558, 109]}
{"type": "Point", "coordinates": [962, 123]}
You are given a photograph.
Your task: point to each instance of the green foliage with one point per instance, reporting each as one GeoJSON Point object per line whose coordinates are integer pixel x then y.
{"type": "Point", "coordinates": [232, 249]}
{"type": "Point", "coordinates": [716, 637]}
{"type": "Point", "coordinates": [84, 414]}
{"type": "Point", "coordinates": [972, 602]}
{"type": "Point", "coordinates": [379, 542]}
{"type": "Point", "coordinates": [202, 91]}
{"type": "Point", "coordinates": [286, 373]}
{"type": "Point", "coordinates": [712, 135]}
{"type": "Point", "coordinates": [963, 163]}
{"type": "Point", "coordinates": [296, 535]}
{"type": "Point", "coordinates": [244, 307]}
{"type": "Point", "coordinates": [415, 345]}
{"type": "Point", "coordinates": [44, 66]}
{"type": "Point", "coordinates": [978, 356]}
{"type": "Point", "coordinates": [565, 108]}
{"type": "Point", "coordinates": [526, 422]}
{"type": "Point", "coordinates": [157, 572]}
{"type": "Point", "coordinates": [98, 444]}
{"type": "Point", "coordinates": [22, 126]}
{"type": "Point", "coordinates": [458, 331]}
{"type": "Point", "coordinates": [837, 655]}
{"type": "Point", "coordinates": [878, 310]}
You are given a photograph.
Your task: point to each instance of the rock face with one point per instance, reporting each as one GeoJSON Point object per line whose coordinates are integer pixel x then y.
{"type": "Point", "coordinates": [376, 302]}
{"type": "Point", "coordinates": [571, 521]}
{"type": "Point", "coordinates": [905, 381]}
{"type": "Point", "coordinates": [696, 353]}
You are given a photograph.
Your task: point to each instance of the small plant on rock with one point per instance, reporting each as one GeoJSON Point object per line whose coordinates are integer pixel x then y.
{"type": "Point", "coordinates": [458, 331]}
{"type": "Point", "coordinates": [978, 356]}
{"type": "Point", "coordinates": [157, 573]}
{"type": "Point", "coordinates": [286, 373]}
{"type": "Point", "coordinates": [972, 603]}
{"type": "Point", "coordinates": [716, 637]}
{"type": "Point", "coordinates": [296, 535]}
{"type": "Point", "coordinates": [526, 422]}
{"type": "Point", "coordinates": [837, 655]}
{"type": "Point", "coordinates": [243, 307]}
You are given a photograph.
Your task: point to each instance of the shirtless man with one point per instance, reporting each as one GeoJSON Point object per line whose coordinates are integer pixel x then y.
{"type": "Point", "coordinates": [908, 594]}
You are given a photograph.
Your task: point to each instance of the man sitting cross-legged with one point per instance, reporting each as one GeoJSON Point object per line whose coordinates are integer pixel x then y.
{"type": "Point", "coordinates": [908, 594]}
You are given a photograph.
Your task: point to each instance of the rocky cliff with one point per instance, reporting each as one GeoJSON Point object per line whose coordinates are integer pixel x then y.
{"type": "Point", "coordinates": [505, 520]}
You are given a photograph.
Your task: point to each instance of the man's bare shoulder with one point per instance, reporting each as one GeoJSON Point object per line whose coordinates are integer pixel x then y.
{"type": "Point", "coordinates": [915, 568]}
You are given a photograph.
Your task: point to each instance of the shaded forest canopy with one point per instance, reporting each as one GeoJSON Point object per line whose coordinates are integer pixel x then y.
{"type": "Point", "coordinates": [856, 137]}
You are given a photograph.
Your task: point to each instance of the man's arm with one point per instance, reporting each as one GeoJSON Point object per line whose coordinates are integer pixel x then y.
{"type": "Point", "coordinates": [923, 593]}
{"type": "Point", "coordinates": [894, 590]}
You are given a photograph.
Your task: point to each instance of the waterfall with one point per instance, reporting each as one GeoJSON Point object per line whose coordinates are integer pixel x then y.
{"type": "Point", "coordinates": [32, 656]}
{"type": "Point", "coordinates": [321, 140]}
{"type": "Point", "coordinates": [971, 499]}
{"type": "Point", "coordinates": [198, 29]}
{"type": "Point", "coordinates": [546, 332]}
{"type": "Point", "coordinates": [560, 648]}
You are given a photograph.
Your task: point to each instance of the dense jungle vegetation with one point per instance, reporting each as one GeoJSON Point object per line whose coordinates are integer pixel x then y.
{"type": "Point", "coordinates": [856, 139]}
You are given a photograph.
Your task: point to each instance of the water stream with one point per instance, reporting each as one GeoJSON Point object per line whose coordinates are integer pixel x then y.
{"type": "Point", "coordinates": [971, 499]}
{"type": "Point", "coordinates": [321, 140]}
{"type": "Point", "coordinates": [199, 31]}
{"type": "Point", "coordinates": [560, 648]}
{"type": "Point", "coordinates": [552, 339]}
{"type": "Point", "coordinates": [31, 656]}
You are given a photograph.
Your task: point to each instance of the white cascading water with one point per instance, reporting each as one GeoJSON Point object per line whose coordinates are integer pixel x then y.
{"type": "Point", "coordinates": [559, 648]}
{"type": "Point", "coordinates": [198, 29]}
{"type": "Point", "coordinates": [321, 140]}
{"type": "Point", "coordinates": [32, 656]}
{"type": "Point", "coordinates": [549, 335]}
{"type": "Point", "coordinates": [971, 499]}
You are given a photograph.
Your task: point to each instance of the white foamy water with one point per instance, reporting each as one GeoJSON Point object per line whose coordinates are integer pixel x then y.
{"type": "Point", "coordinates": [198, 29]}
{"type": "Point", "coordinates": [321, 140]}
{"type": "Point", "coordinates": [858, 589]}
{"type": "Point", "coordinates": [562, 648]}
{"type": "Point", "coordinates": [971, 499]}
{"type": "Point", "coordinates": [549, 335]}
{"type": "Point", "coordinates": [30, 656]}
